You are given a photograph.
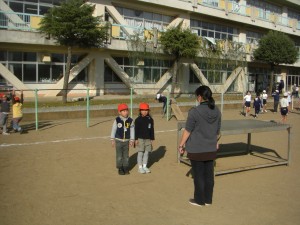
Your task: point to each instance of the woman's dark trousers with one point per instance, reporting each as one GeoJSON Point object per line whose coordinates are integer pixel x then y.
{"type": "Point", "coordinates": [203, 172]}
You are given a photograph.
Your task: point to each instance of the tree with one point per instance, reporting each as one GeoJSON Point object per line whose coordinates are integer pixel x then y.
{"type": "Point", "coordinates": [181, 43]}
{"type": "Point", "coordinates": [72, 24]}
{"type": "Point", "coordinates": [276, 48]}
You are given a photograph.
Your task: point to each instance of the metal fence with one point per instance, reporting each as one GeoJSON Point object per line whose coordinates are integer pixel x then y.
{"type": "Point", "coordinates": [88, 101]}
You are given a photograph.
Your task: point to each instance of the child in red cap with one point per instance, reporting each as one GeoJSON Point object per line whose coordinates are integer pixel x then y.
{"type": "Point", "coordinates": [144, 135]}
{"type": "Point", "coordinates": [122, 136]}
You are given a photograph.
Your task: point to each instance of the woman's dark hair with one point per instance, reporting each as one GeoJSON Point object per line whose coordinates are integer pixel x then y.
{"type": "Point", "coordinates": [206, 94]}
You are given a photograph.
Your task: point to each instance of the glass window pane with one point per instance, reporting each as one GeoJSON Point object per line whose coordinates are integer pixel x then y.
{"type": "Point", "coordinates": [56, 2]}
{"type": "Point", "coordinates": [205, 25]}
{"type": "Point", "coordinates": [43, 10]}
{"type": "Point", "coordinates": [155, 75]}
{"type": "Point", "coordinates": [217, 35]}
{"type": "Point", "coordinates": [44, 73]}
{"type": "Point", "coordinates": [147, 75]}
{"type": "Point", "coordinates": [30, 9]}
{"type": "Point", "coordinates": [16, 69]}
{"type": "Point", "coordinates": [126, 61]}
{"type": "Point", "coordinates": [57, 72]}
{"type": "Point", "coordinates": [3, 55]}
{"type": "Point", "coordinates": [16, 7]}
{"type": "Point", "coordinates": [107, 73]}
{"type": "Point", "coordinates": [119, 60]}
{"type": "Point", "coordinates": [129, 71]}
{"type": "Point", "coordinates": [223, 36]}
{"type": "Point", "coordinates": [211, 34]}
{"type": "Point", "coordinates": [210, 77]}
{"type": "Point", "coordinates": [82, 76]}
{"type": "Point", "coordinates": [148, 15]}
{"type": "Point", "coordinates": [15, 56]}
{"type": "Point", "coordinates": [167, 19]}
{"type": "Point", "coordinates": [57, 58]}
{"type": "Point", "coordinates": [116, 78]}
{"type": "Point", "coordinates": [29, 73]}
{"type": "Point", "coordinates": [29, 56]}
{"type": "Point", "coordinates": [218, 77]}
{"type": "Point", "coordinates": [218, 28]}
{"type": "Point", "coordinates": [157, 17]}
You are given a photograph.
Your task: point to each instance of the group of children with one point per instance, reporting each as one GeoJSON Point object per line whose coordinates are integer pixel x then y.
{"type": "Point", "coordinates": [260, 103]}
{"type": "Point", "coordinates": [128, 133]}
{"type": "Point", "coordinates": [17, 112]}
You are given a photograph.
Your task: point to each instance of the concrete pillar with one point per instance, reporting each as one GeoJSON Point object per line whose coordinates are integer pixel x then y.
{"type": "Point", "coordinates": [242, 36]}
{"type": "Point", "coordinates": [96, 74]}
{"type": "Point", "coordinates": [184, 77]}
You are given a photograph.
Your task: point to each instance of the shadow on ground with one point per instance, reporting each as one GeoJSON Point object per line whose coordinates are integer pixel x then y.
{"type": "Point", "coordinates": [154, 157]}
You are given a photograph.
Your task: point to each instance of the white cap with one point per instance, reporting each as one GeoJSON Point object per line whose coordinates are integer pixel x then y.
{"type": "Point", "coordinates": [264, 91]}
{"type": "Point", "coordinates": [157, 96]}
{"type": "Point", "coordinates": [285, 94]}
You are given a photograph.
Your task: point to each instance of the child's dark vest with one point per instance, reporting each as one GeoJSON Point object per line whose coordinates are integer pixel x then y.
{"type": "Point", "coordinates": [123, 128]}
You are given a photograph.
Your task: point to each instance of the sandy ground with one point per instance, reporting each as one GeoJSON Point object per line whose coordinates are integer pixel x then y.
{"type": "Point", "coordinates": [64, 174]}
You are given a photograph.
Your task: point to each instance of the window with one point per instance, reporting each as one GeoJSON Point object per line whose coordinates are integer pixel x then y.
{"type": "Point", "coordinates": [193, 78]}
{"type": "Point", "coordinates": [29, 71]}
{"type": "Point", "coordinates": [110, 76]}
{"type": "Point", "coordinates": [253, 37]}
{"type": "Point", "coordinates": [31, 9]}
{"type": "Point", "coordinates": [3, 56]}
{"type": "Point", "coordinates": [215, 73]}
{"type": "Point", "coordinates": [43, 10]}
{"type": "Point", "coordinates": [44, 72]}
{"type": "Point", "coordinates": [57, 58]}
{"type": "Point", "coordinates": [150, 72]}
{"type": "Point", "coordinates": [29, 56]}
{"type": "Point", "coordinates": [216, 31]}
{"type": "Point", "coordinates": [15, 56]}
{"type": "Point", "coordinates": [57, 72]}
{"type": "Point", "coordinates": [148, 20]}
{"type": "Point", "coordinates": [16, 69]}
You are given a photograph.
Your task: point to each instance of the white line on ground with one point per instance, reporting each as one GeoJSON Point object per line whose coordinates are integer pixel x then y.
{"type": "Point", "coordinates": [66, 140]}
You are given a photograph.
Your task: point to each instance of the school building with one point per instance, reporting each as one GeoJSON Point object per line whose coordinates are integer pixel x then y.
{"type": "Point", "coordinates": [132, 58]}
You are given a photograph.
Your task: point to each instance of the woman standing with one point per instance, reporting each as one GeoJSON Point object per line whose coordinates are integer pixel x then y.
{"type": "Point", "coordinates": [200, 139]}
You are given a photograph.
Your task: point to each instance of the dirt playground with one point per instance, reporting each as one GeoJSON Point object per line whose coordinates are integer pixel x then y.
{"type": "Point", "coordinates": [64, 174]}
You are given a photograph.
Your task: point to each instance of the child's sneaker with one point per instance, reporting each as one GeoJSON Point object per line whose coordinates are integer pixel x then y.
{"type": "Point", "coordinates": [146, 170]}
{"type": "Point", "coordinates": [121, 171]}
{"type": "Point", "coordinates": [141, 170]}
{"type": "Point", "coordinates": [126, 171]}
{"type": "Point", "coordinates": [5, 133]}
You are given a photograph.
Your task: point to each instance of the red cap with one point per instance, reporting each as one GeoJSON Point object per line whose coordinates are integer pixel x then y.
{"type": "Point", "coordinates": [144, 106]}
{"type": "Point", "coordinates": [122, 106]}
{"type": "Point", "coordinates": [17, 98]}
